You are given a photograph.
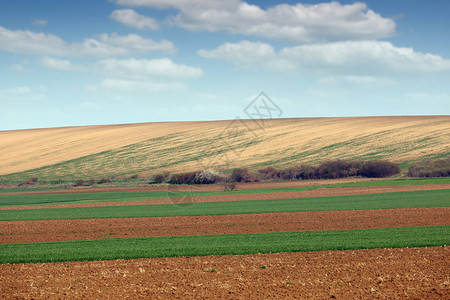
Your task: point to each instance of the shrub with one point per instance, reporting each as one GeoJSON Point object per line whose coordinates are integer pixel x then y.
{"type": "Point", "coordinates": [229, 186]}
{"type": "Point", "coordinates": [160, 178]}
{"type": "Point", "coordinates": [183, 178]}
{"type": "Point", "coordinates": [298, 173]}
{"type": "Point", "coordinates": [379, 168]}
{"type": "Point", "coordinates": [135, 176]}
{"type": "Point", "coordinates": [208, 177]}
{"type": "Point", "coordinates": [91, 181]}
{"type": "Point", "coordinates": [269, 173]}
{"type": "Point", "coordinates": [304, 172]}
{"type": "Point", "coordinates": [30, 181]}
{"type": "Point", "coordinates": [435, 168]}
{"type": "Point", "coordinates": [79, 182]}
{"type": "Point", "coordinates": [242, 175]}
{"type": "Point", "coordinates": [336, 169]}
{"type": "Point", "coordinates": [104, 180]}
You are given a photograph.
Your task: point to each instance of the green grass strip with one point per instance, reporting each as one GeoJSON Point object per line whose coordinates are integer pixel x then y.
{"type": "Point", "coordinates": [53, 199]}
{"type": "Point", "coordinates": [395, 182]}
{"type": "Point", "coordinates": [273, 242]}
{"type": "Point", "coordinates": [432, 198]}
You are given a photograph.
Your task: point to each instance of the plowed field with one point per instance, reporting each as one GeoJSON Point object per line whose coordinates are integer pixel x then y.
{"type": "Point", "coordinates": [66, 230]}
{"type": "Point", "coordinates": [418, 273]}
{"type": "Point", "coordinates": [322, 192]}
{"type": "Point", "coordinates": [408, 273]}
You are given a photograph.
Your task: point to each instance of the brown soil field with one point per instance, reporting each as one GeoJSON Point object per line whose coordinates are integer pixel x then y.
{"type": "Point", "coordinates": [85, 229]}
{"type": "Point", "coordinates": [321, 192]}
{"type": "Point", "coordinates": [407, 273]}
{"type": "Point", "coordinates": [147, 148]}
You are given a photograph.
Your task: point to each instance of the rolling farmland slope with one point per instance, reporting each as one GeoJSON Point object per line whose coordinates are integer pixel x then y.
{"type": "Point", "coordinates": [148, 148]}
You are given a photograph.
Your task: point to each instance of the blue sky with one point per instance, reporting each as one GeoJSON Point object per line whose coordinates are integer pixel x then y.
{"type": "Point", "coordinates": [86, 62]}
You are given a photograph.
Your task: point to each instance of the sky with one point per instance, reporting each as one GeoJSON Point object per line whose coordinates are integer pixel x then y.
{"type": "Point", "coordinates": [91, 62]}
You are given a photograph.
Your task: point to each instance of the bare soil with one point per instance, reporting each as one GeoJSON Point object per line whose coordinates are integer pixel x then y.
{"type": "Point", "coordinates": [407, 273]}
{"type": "Point", "coordinates": [321, 192]}
{"type": "Point", "coordinates": [85, 229]}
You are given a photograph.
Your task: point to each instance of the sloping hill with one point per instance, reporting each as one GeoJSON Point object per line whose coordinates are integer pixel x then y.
{"type": "Point", "coordinates": [148, 148]}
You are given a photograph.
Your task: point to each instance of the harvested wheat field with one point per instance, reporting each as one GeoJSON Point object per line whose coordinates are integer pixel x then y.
{"type": "Point", "coordinates": [74, 152]}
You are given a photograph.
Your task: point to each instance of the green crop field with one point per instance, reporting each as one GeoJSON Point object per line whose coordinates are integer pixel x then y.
{"type": "Point", "coordinates": [53, 199]}
{"type": "Point", "coordinates": [225, 244]}
{"type": "Point", "coordinates": [432, 198]}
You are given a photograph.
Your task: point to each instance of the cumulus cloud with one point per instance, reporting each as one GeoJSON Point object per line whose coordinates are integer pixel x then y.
{"type": "Point", "coordinates": [131, 18]}
{"type": "Point", "coordinates": [136, 44]}
{"type": "Point", "coordinates": [39, 22]}
{"type": "Point", "coordinates": [19, 68]}
{"type": "Point", "coordinates": [21, 94]}
{"type": "Point", "coordinates": [295, 23]}
{"type": "Point", "coordinates": [245, 54]}
{"type": "Point", "coordinates": [145, 68]}
{"type": "Point", "coordinates": [59, 64]}
{"type": "Point", "coordinates": [137, 85]}
{"type": "Point", "coordinates": [364, 81]}
{"type": "Point", "coordinates": [134, 75]}
{"type": "Point", "coordinates": [371, 55]}
{"type": "Point", "coordinates": [38, 43]}
{"type": "Point", "coordinates": [354, 57]}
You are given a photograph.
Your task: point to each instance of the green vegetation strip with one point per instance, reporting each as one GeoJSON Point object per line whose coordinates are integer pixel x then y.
{"type": "Point", "coordinates": [273, 242]}
{"type": "Point", "coordinates": [433, 198]}
{"type": "Point", "coordinates": [395, 182]}
{"type": "Point", "coordinates": [53, 199]}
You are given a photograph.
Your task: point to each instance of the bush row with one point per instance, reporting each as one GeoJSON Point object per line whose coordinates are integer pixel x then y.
{"type": "Point", "coordinates": [326, 170]}
{"type": "Point", "coordinates": [78, 182]}
{"type": "Point", "coordinates": [333, 170]}
{"type": "Point", "coordinates": [435, 168]}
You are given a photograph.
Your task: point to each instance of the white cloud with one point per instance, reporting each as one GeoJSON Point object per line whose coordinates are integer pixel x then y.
{"type": "Point", "coordinates": [351, 57]}
{"type": "Point", "coordinates": [144, 68]}
{"type": "Point", "coordinates": [19, 68]}
{"type": "Point", "coordinates": [37, 43]}
{"type": "Point", "coordinates": [366, 55]}
{"type": "Point", "coordinates": [137, 85]}
{"type": "Point", "coordinates": [245, 54]}
{"type": "Point", "coordinates": [295, 23]}
{"type": "Point", "coordinates": [131, 18]}
{"type": "Point", "coordinates": [20, 94]}
{"type": "Point", "coordinates": [135, 75]}
{"type": "Point", "coordinates": [136, 44]}
{"type": "Point", "coordinates": [39, 22]}
{"type": "Point", "coordinates": [329, 80]}
{"type": "Point", "coordinates": [27, 42]}
{"type": "Point", "coordinates": [370, 81]}
{"type": "Point", "coordinates": [428, 97]}
{"type": "Point", "coordinates": [59, 64]}
{"type": "Point", "coordinates": [363, 81]}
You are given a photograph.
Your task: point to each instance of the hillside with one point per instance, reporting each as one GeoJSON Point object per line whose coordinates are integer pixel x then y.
{"type": "Point", "coordinates": [148, 148]}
